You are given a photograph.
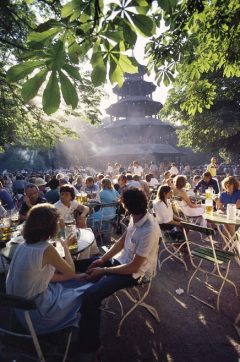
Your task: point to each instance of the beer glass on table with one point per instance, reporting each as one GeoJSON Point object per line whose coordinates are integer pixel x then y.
{"type": "Point", "coordinates": [5, 228]}
{"type": "Point", "coordinates": [209, 206]}
{"type": "Point", "coordinates": [70, 228]}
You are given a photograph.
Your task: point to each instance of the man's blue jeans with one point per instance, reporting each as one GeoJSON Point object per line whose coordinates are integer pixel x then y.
{"type": "Point", "coordinates": [89, 327]}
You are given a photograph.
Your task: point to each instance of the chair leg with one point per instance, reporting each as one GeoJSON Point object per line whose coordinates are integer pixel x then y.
{"type": "Point", "coordinates": [34, 337]}
{"type": "Point", "coordinates": [67, 347]}
{"type": "Point", "coordinates": [139, 302]}
{"type": "Point", "coordinates": [193, 275]}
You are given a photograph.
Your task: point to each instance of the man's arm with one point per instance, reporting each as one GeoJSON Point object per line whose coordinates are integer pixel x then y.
{"type": "Point", "coordinates": [123, 269]}
{"type": "Point", "coordinates": [116, 248]}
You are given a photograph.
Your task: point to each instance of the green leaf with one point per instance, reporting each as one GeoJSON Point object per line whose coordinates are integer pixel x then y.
{"type": "Point", "coordinates": [117, 36]}
{"type": "Point", "coordinates": [166, 5]}
{"type": "Point", "coordinates": [68, 90]}
{"type": "Point", "coordinates": [72, 71]}
{"type": "Point", "coordinates": [42, 36]}
{"type": "Point", "coordinates": [74, 50]}
{"type": "Point", "coordinates": [129, 35]}
{"type": "Point", "coordinates": [74, 9]}
{"type": "Point", "coordinates": [31, 87]}
{"type": "Point", "coordinates": [51, 23]}
{"type": "Point", "coordinates": [20, 71]}
{"type": "Point", "coordinates": [126, 64]}
{"type": "Point", "coordinates": [115, 72]}
{"type": "Point", "coordinates": [144, 24]}
{"type": "Point", "coordinates": [99, 69]}
{"type": "Point", "coordinates": [56, 56]}
{"type": "Point", "coordinates": [67, 10]}
{"type": "Point", "coordinates": [51, 95]}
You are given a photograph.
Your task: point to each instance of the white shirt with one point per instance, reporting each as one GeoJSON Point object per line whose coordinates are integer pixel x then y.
{"type": "Point", "coordinates": [153, 182]}
{"type": "Point", "coordinates": [63, 209]}
{"type": "Point", "coordinates": [174, 170]}
{"type": "Point", "coordinates": [134, 184]}
{"type": "Point", "coordinates": [138, 170]}
{"type": "Point", "coordinates": [164, 213]}
{"type": "Point", "coordinates": [142, 239]}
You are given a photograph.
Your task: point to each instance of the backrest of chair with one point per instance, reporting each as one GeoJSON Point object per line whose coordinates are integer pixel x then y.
{"type": "Point", "coordinates": [176, 207]}
{"type": "Point", "coordinates": [13, 301]}
{"type": "Point", "coordinates": [200, 229]}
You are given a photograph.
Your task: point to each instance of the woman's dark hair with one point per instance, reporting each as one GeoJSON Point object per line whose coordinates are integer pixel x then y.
{"type": "Point", "coordinates": [41, 223]}
{"type": "Point", "coordinates": [135, 201]}
{"type": "Point", "coordinates": [68, 188]}
{"type": "Point", "coordinates": [180, 181]}
{"type": "Point", "coordinates": [53, 184]}
{"type": "Point", "coordinates": [106, 184]}
{"type": "Point", "coordinates": [162, 191]}
{"type": "Point", "coordinates": [148, 177]}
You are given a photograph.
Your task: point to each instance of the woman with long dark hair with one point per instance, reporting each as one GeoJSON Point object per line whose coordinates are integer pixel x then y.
{"type": "Point", "coordinates": [163, 209]}
{"type": "Point", "coordinates": [38, 271]}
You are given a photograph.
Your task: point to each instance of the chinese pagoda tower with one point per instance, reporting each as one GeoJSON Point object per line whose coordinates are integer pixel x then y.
{"type": "Point", "coordinates": [135, 130]}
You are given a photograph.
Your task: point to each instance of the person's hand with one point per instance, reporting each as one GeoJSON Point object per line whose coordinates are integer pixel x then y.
{"type": "Point", "coordinates": [27, 200]}
{"type": "Point", "coordinates": [96, 263]}
{"type": "Point", "coordinates": [81, 277]}
{"type": "Point", "coordinates": [95, 274]}
{"type": "Point", "coordinates": [69, 240]}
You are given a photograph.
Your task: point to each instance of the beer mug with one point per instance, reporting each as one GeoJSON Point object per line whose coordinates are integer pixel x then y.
{"type": "Point", "coordinates": [79, 198]}
{"type": "Point", "coordinates": [231, 211]}
{"type": "Point", "coordinates": [14, 217]}
{"type": "Point", "coordinates": [5, 228]}
{"type": "Point", "coordinates": [209, 206]}
{"type": "Point", "coordinates": [208, 193]}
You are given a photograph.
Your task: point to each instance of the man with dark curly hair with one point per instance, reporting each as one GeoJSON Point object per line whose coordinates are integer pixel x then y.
{"type": "Point", "coordinates": [131, 258]}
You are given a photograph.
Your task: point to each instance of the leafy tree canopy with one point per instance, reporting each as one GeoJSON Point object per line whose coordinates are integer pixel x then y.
{"type": "Point", "coordinates": [201, 36]}
{"type": "Point", "coordinates": [24, 123]}
{"type": "Point", "coordinates": [214, 129]}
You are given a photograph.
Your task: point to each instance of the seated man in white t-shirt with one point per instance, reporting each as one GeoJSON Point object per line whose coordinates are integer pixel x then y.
{"type": "Point", "coordinates": [132, 257]}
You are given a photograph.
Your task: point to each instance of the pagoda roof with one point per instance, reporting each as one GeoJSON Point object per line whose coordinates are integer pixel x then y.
{"type": "Point", "coordinates": [135, 86]}
{"type": "Point", "coordinates": [138, 121]}
{"type": "Point", "coordinates": [134, 105]}
{"type": "Point", "coordinates": [136, 149]}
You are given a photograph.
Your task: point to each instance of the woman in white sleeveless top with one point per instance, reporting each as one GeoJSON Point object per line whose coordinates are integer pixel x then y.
{"type": "Point", "coordinates": [37, 271]}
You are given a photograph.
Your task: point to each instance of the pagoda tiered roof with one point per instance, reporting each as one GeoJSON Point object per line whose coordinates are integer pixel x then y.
{"type": "Point", "coordinates": [136, 87]}
{"type": "Point", "coordinates": [137, 149]}
{"type": "Point", "coordinates": [138, 121]}
{"type": "Point", "coordinates": [134, 106]}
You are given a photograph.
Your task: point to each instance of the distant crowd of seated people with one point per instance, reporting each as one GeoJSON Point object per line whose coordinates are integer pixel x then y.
{"type": "Point", "coordinates": [24, 189]}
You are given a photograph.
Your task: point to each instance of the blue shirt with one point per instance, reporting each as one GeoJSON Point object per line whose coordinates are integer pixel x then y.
{"type": "Point", "coordinates": [6, 199]}
{"type": "Point", "coordinates": [203, 185]}
{"type": "Point", "coordinates": [226, 198]}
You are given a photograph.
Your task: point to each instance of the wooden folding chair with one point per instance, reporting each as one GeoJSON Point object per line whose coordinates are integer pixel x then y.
{"type": "Point", "coordinates": [210, 255]}
{"type": "Point", "coordinates": [174, 249]}
{"type": "Point", "coordinates": [18, 342]}
{"type": "Point", "coordinates": [137, 295]}
{"type": "Point", "coordinates": [101, 225]}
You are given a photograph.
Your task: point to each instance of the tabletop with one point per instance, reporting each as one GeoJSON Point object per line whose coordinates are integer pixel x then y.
{"type": "Point", "coordinates": [221, 218]}
{"type": "Point", "coordinates": [85, 240]}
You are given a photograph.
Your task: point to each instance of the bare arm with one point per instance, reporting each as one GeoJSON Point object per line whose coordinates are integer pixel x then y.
{"type": "Point", "coordinates": [123, 269]}
{"type": "Point", "coordinates": [116, 248]}
{"type": "Point", "coordinates": [52, 257]}
{"type": "Point", "coordinates": [187, 199]}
